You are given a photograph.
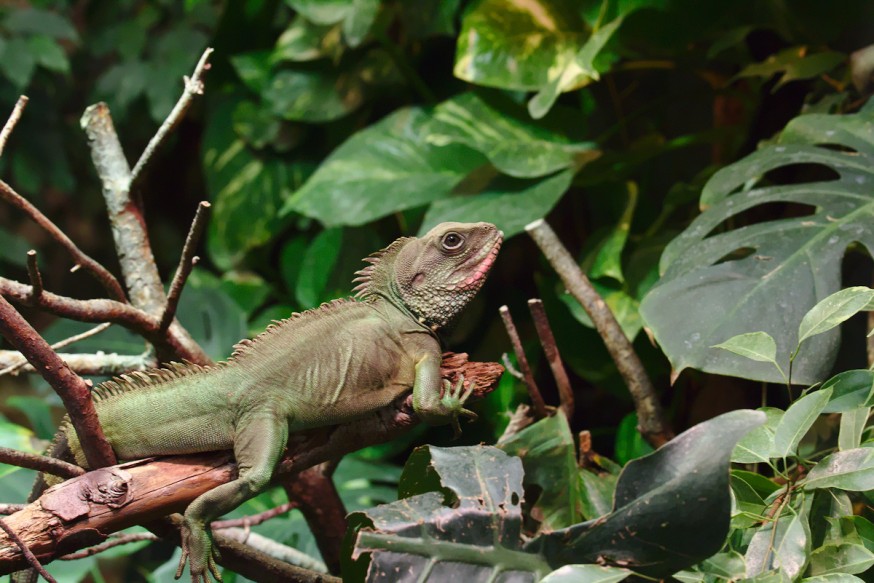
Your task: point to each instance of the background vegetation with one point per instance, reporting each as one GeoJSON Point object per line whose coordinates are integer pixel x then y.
{"type": "Point", "coordinates": [329, 128]}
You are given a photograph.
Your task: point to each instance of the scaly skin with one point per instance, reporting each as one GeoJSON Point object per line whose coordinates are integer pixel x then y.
{"type": "Point", "coordinates": [325, 366]}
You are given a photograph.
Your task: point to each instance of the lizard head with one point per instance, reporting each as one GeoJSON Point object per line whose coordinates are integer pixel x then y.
{"type": "Point", "coordinates": [436, 275]}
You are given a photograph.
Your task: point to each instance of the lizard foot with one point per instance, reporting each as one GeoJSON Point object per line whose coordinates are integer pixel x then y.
{"type": "Point", "coordinates": [201, 553]}
{"type": "Point", "coordinates": [454, 399]}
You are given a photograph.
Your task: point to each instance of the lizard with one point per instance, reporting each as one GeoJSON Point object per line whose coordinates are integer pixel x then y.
{"type": "Point", "coordinates": [325, 366]}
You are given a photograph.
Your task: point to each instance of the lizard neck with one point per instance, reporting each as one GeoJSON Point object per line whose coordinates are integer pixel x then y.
{"type": "Point", "coordinates": [388, 301]}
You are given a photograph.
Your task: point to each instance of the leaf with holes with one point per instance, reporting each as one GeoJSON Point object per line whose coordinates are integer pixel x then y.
{"type": "Point", "coordinates": [707, 293]}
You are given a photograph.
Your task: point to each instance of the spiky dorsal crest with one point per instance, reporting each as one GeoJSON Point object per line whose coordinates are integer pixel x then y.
{"type": "Point", "coordinates": [377, 276]}
{"type": "Point", "coordinates": [147, 380]}
{"type": "Point", "coordinates": [244, 347]}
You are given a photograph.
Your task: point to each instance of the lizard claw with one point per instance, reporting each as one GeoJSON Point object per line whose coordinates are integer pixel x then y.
{"type": "Point", "coordinates": [454, 398]}
{"type": "Point", "coordinates": [200, 552]}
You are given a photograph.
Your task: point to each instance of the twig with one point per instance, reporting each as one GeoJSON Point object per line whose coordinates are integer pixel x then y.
{"type": "Point", "coordinates": [115, 540]}
{"type": "Point", "coordinates": [79, 257]}
{"type": "Point", "coordinates": [650, 415]}
{"type": "Point", "coordinates": [57, 345]}
{"type": "Point", "coordinates": [97, 364]}
{"type": "Point", "coordinates": [254, 519]}
{"type": "Point", "coordinates": [12, 121]}
{"type": "Point", "coordinates": [40, 463]}
{"type": "Point", "coordinates": [34, 276]}
{"type": "Point", "coordinates": [274, 549]}
{"type": "Point", "coordinates": [533, 390]}
{"type": "Point", "coordinates": [29, 556]}
{"type": "Point", "coordinates": [6, 509]}
{"type": "Point", "coordinates": [547, 340]}
{"type": "Point", "coordinates": [72, 389]}
{"type": "Point", "coordinates": [102, 310]}
{"type": "Point", "coordinates": [505, 358]}
{"type": "Point", "coordinates": [186, 263]}
{"type": "Point", "coordinates": [193, 87]}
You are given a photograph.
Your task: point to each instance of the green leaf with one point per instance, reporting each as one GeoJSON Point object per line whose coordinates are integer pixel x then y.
{"type": "Point", "coordinates": [852, 425]}
{"type": "Point", "coordinates": [758, 346]}
{"type": "Point", "coordinates": [630, 444]}
{"type": "Point", "coordinates": [15, 437]}
{"type": "Point", "coordinates": [499, 131]}
{"type": "Point", "coordinates": [843, 558]}
{"type": "Point", "coordinates": [38, 412]}
{"type": "Point", "coordinates": [387, 167]}
{"type": "Point", "coordinates": [705, 296]}
{"type": "Point", "coordinates": [586, 574]}
{"type": "Point", "coordinates": [833, 578]}
{"type": "Point", "coordinates": [509, 204]}
{"type": "Point", "coordinates": [322, 11]}
{"type": "Point", "coordinates": [514, 44]}
{"type": "Point", "coordinates": [596, 493]}
{"type": "Point", "coordinates": [671, 507]}
{"type": "Point", "coordinates": [359, 20]}
{"type": "Point", "coordinates": [608, 259]}
{"type": "Point", "coordinates": [836, 308]}
{"type": "Point", "coordinates": [305, 41]}
{"type": "Point", "coordinates": [851, 470]}
{"type": "Point", "coordinates": [43, 22]}
{"type": "Point", "coordinates": [313, 96]}
{"type": "Point", "coordinates": [253, 69]}
{"type": "Point", "coordinates": [316, 266]}
{"type": "Point", "coordinates": [18, 63]}
{"type": "Point", "coordinates": [625, 308]}
{"type": "Point", "coordinates": [851, 389]}
{"type": "Point", "coordinates": [48, 53]}
{"type": "Point", "coordinates": [797, 420]}
{"type": "Point", "coordinates": [727, 565]}
{"type": "Point", "coordinates": [549, 459]}
{"type": "Point", "coordinates": [795, 63]}
{"type": "Point", "coordinates": [758, 445]}
{"type": "Point", "coordinates": [214, 320]}
{"type": "Point", "coordinates": [782, 545]}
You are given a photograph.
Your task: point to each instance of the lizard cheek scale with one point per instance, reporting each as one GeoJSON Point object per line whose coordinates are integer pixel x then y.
{"type": "Point", "coordinates": [341, 361]}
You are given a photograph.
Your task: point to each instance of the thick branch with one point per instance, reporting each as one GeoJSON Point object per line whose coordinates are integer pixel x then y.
{"type": "Point", "coordinates": [108, 280]}
{"type": "Point", "coordinates": [82, 511]}
{"type": "Point", "coordinates": [72, 389]}
{"type": "Point", "coordinates": [650, 415]}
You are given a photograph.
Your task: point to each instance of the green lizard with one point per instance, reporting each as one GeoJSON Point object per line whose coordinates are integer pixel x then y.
{"type": "Point", "coordinates": [325, 366]}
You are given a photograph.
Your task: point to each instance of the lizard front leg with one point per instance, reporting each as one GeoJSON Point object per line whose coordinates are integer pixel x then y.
{"type": "Point", "coordinates": [428, 403]}
{"type": "Point", "coordinates": [260, 439]}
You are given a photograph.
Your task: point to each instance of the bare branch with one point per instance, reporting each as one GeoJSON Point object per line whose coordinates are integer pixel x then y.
{"type": "Point", "coordinates": [274, 549]}
{"type": "Point", "coordinates": [533, 390]}
{"type": "Point", "coordinates": [254, 519]}
{"type": "Point", "coordinates": [79, 257]}
{"type": "Point", "coordinates": [12, 121]}
{"type": "Point", "coordinates": [33, 274]}
{"type": "Point", "coordinates": [22, 362]}
{"type": "Point", "coordinates": [99, 364]}
{"type": "Point", "coordinates": [547, 340]}
{"type": "Point", "coordinates": [115, 540]}
{"type": "Point", "coordinates": [193, 87]}
{"type": "Point", "coordinates": [102, 310]}
{"type": "Point", "coordinates": [72, 389]}
{"type": "Point", "coordinates": [31, 559]}
{"type": "Point", "coordinates": [650, 415]}
{"type": "Point", "coordinates": [40, 463]}
{"type": "Point", "coordinates": [505, 359]}
{"type": "Point", "coordinates": [186, 263]}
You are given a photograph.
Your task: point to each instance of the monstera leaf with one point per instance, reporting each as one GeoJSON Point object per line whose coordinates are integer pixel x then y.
{"type": "Point", "coordinates": [766, 276]}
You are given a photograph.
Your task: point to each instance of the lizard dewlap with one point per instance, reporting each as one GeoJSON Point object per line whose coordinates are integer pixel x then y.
{"type": "Point", "coordinates": [325, 366]}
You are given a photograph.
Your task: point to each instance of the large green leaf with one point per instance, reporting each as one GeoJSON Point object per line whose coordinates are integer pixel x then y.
{"type": "Point", "coordinates": [782, 544]}
{"type": "Point", "coordinates": [671, 508]}
{"type": "Point", "coordinates": [387, 167]}
{"type": "Point", "coordinates": [705, 296]}
{"type": "Point", "coordinates": [471, 530]}
{"type": "Point", "coordinates": [797, 420]}
{"type": "Point", "coordinates": [851, 469]}
{"type": "Point", "coordinates": [513, 144]}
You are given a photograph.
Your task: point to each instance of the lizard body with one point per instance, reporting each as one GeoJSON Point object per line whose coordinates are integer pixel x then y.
{"type": "Point", "coordinates": [325, 366]}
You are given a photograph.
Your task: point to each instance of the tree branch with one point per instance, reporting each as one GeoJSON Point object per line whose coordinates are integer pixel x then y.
{"type": "Point", "coordinates": [12, 121]}
{"type": "Point", "coordinates": [33, 275]}
{"type": "Point", "coordinates": [550, 349]}
{"type": "Point", "coordinates": [319, 502]}
{"type": "Point", "coordinates": [651, 419]}
{"type": "Point", "coordinates": [254, 519]}
{"type": "Point", "coordinates": [193, 87]}
{"type": "Point", "coordinates": [40, 463]}
{"type": "Point", "coordinates": [99, 364]}
{"type": "Point", "coordinates": [72, 389]}
{"type": "Point", "coordinates": [533, 390]}
{"type": "Point", "coordinates": [114, 540]}
{"type": "Point", "coordinates": [22, 362]}
{"type": "Point", "coordinates": [31, 559]}
{"type": "Point", "coordinates": [108, 280]}
{"type": "Point", "coordinates": [186, 264]}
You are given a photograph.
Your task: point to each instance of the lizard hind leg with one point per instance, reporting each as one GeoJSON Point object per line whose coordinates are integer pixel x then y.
{"type": "Point", "coordinates": [259, 442]}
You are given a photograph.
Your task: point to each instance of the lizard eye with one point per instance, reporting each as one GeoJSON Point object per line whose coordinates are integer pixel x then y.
{"type": "Point", "coordinates": [452, 241]}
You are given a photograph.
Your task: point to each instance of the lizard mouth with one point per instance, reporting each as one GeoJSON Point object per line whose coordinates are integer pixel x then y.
{"type": "Point", "coordinates": [483, 262]}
